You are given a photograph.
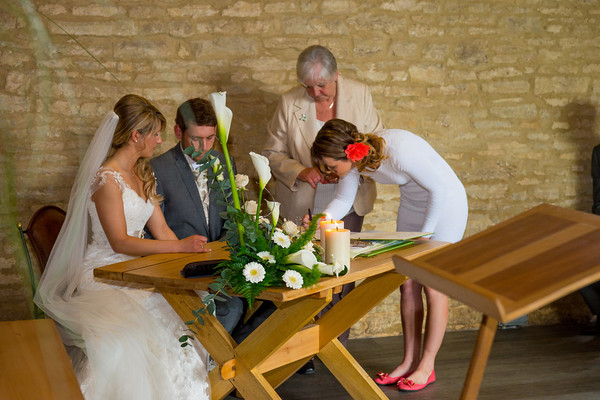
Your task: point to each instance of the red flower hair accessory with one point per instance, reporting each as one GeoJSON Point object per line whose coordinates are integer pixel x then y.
{"type": "Point", "coordinates": [356, 151]}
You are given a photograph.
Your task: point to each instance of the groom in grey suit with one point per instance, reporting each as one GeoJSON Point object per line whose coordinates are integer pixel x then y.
{"type": "Point", "coordinates": [184, 207]}
{"type": "Point", "coordinates": [189, 205]}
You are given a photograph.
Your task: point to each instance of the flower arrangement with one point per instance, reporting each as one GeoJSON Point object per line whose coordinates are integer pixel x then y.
{"type": "Point", "coordinates": [263, 251]}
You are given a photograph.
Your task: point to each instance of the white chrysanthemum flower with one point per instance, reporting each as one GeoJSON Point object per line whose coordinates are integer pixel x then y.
{"type": "Point", "coordinates": [254, 272]}
{"type": "Point", "coordinates": [293, 279]}
{"type": "Point", "coordinates": [290, 228]}
{"type": "Point", "coordinates": [281, 239]}
{"type": "Point", "coordinates": [241, 181]}
{"type": "Point", "coordinates": [251, 206]}
{"type": "Point", "coordinates": [266, 256]}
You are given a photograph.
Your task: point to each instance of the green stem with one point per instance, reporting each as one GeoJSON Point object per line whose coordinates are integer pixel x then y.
{"type": "Point", "coordinates": [234, 192]}
{"type": "Point", "coordinates": [260, 192]}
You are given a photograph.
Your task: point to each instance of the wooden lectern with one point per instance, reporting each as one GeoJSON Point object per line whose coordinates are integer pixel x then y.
{"type": "Point", "coordinates": [511, 269]}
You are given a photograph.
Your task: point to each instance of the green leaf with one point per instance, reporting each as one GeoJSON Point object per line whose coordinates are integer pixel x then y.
{"type": "Point", "coordinates": [189, 150]}
{"type": "Point", "coordinates": [208, 298]}
{"type": "Point", "coordinates": [211, 307]}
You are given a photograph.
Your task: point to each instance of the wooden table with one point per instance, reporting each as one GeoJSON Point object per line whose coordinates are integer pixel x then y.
{"type": "Point", "coordinates": [34, 363]}
{"type": "Point", "coordinates": [511, 269]}
{"type": "Point", "coordinates": [288, 338]}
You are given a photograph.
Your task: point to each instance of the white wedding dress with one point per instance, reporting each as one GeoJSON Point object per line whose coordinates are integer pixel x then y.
{"type": "Point", "coordinates": [129, 334]}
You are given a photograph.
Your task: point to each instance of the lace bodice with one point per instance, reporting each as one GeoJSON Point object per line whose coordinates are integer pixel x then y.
{"type": "Point", "coordinates": [137, 212]}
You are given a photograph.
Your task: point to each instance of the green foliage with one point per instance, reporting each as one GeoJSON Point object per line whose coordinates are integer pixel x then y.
{"type": "Point", "coordinates": [257, 239]}
{"type": "Point", "coordinates": [250, 239]}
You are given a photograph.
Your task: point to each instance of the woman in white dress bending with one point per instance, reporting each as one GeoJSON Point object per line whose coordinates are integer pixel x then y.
{"type": "Point", "coordinates": [123, 340]}
{"type": "Point", "coordinates": [432, 199]}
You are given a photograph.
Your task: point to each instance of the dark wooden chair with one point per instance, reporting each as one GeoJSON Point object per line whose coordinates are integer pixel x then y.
{"type": "Point", "coordinates": [42, 232]}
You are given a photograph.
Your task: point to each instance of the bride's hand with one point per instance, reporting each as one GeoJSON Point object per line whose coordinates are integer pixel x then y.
{"type": "Point", "coordinates": [193, 244]}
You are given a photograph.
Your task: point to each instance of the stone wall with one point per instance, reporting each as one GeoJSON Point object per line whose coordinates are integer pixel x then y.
{"type": "Point", "coordinates": [506, 91]}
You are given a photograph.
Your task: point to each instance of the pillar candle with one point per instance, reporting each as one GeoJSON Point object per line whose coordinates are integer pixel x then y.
{"type": "Point", "coordinates": [338, 246]}
{"type": "Point", "coordinates": [328, 224]}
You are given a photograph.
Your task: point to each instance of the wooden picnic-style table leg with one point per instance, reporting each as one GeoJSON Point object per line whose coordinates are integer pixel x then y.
{"type": "Point", "coordinates": [247, 356]}
{"type": "Point", "coordinates": [266, 339]}
{"type": "Point", "coordinates": [356, 304]}
{"type": "Point", "coordinates": [252, 385]}
{"type": "Point", "coordinates": [342, 316]}
{"type": "Point", "coordinates": [349, 373]}
{"type": "Point", "coordinates": [213, 337]}
{"type": "Point", "coordinates": [284, 323]}
{"type": "Point", "coordinates": [485, 339]}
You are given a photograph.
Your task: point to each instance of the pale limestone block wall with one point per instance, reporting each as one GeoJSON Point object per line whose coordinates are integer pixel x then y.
{"type": "Point", "coordinates": [506, 91]}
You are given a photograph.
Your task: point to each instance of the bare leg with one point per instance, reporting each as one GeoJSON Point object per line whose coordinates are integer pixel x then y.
{"type": "Point", "coordinates": [411, 307]}
{"type": "Point", "coordinates": [437, 319]}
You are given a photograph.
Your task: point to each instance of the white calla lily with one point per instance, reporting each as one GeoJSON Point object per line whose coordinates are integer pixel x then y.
{"type": "Point", "coordinates": [331, 269]}
{"type": "Point", "coordinates": [274, 207]}
{"type": "Point", "coordinates": [302, 257]}
{"type": "Point", "coordinates": [261, 164]}
{"type": "Point", "coordinates": [224, 114]}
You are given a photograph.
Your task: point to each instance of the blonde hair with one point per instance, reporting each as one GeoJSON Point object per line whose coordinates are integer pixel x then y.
{"type": "Point", "coordinates": [138, 114]}
{"type": "Point", "coordinates": [333, 139]}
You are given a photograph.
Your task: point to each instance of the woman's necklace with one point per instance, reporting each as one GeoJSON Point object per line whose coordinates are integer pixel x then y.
{"type": "Point", "coordinates": [129, 171]}
{"type": "Point", "coordinates": [326, 110]}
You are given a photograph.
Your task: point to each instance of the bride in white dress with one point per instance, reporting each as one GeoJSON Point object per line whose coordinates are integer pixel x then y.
{"type": "Point", "coordinates": [123, 340]}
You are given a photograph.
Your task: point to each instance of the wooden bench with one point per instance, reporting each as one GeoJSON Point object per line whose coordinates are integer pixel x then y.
{"type": "Point", "coordinates": [34, 363]}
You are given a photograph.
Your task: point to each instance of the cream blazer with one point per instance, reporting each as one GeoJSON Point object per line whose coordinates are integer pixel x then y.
{"type": "Point", "coordinates": [292, 131]}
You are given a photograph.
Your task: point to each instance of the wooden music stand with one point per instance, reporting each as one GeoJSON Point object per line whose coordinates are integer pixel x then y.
{"type": "Point", "coordinates": [511, 269]}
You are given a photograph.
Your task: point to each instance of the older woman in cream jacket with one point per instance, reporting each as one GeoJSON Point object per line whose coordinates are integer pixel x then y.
{"type": "Point", "coordinates": [301, 112]}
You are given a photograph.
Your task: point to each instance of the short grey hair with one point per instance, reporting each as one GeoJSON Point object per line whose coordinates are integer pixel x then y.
{"type": "Point", "coordinates": [313, 56]}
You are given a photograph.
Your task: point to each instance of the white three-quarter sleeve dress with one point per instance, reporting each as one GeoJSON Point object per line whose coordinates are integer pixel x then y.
{"type": "Point", "coordinates": [432, 198]}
